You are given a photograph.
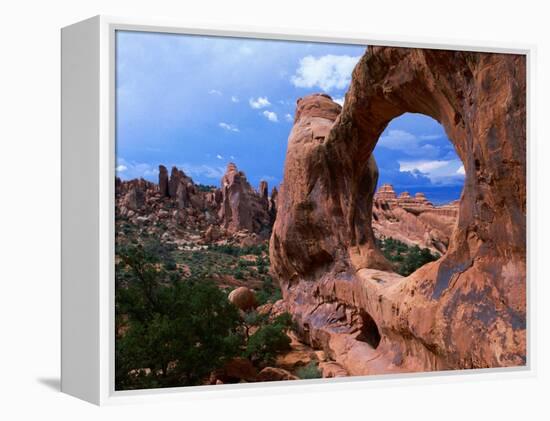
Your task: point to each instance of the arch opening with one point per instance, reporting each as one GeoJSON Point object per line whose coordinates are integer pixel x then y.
{"type": "Point", "coordinates": [416, 201]}
{"type": "Point", "coordinates": [369, 332]}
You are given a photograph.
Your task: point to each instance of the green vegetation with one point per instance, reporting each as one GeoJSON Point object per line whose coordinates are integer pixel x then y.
{"type": "Point", "coordinates": [406, 258]}
{"type": "Point", "coordinates": [269, 340]}
{"type": "Point", "coordinates": [269, 292]}
{"type": "Point", "coordinates": [216, 261]}
{"type": "Point", "coordinates": [310, 371]}
{"type": "Point", "coordinates": [174, 322]}
{"type": "Point", "coordinates": [240, 251]}
{"type": "Point", "coordinates": [171, 331]}
{"type": "Point", "coordinates": [204, 187]}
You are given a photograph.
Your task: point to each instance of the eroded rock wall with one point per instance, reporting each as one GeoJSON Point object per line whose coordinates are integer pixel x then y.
{"type": "Point", "coordinates": [241, 207]}
{"type": "Point", "coordinates": [413, 220]}
{"type": "Point", "coordinates": [468, 309]}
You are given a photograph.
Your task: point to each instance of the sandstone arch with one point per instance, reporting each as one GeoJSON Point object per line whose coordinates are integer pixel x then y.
{"type": "Point", "coordinates": [466, 310]}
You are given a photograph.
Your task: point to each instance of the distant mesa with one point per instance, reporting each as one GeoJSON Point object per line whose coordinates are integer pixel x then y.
{"type": "Point", "coordinates": [413, 219]}
{"type": "Point", "coordinates": [419, 202]}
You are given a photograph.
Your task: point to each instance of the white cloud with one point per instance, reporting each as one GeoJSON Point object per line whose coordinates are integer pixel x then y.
{"type": "Point", "coordinates": [271, 116]}
{"type": "Point", "coordinates": [129, 170]}
{"type": "Point", "coordinates": [398, 140]}
{"type": "Point", "coordinates": [214, 92]}
{"type": "Point", "coordinates": [232, 157]}
{"type": "Point", "coordinates": [219, 156]}
{"type": "Point", "coordinates": [150, 171]}
{"type": "Point", "coordinates": [438, 171]}
{"type": "Point", "coordinates": [203, 170]}
{"type": "Point", "coordinates": [229, 127]}
{"type": "Point", "coordinates": [430, 136]}
{"type": "Point", "coordinates": [288, 117]}
{"type": "Point", "coordinates": [234, 99]}
{"type": "Point", "coordinates": [412, 145]}
{"type": "Point", "coordinates": [461, 170]}
{"type": "Point", "coordinates": [260, 102]}
{"type": "Point", "coordinates": [327, 72]}
{"type": "Point", "coordinates": [422, 166]}
{"type": "Point", "coordinates": [339, 100]}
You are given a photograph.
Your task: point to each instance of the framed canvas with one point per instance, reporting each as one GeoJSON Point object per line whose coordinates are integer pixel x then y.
{"type": "Point", "coordinates": [246, 209]}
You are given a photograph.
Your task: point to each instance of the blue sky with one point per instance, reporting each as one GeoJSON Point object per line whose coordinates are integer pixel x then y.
{"type": "Point", "coordinates": [200, 102]}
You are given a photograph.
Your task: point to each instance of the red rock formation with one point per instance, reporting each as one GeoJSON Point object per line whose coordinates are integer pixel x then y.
{"type": "Point", "coordinates": [241, 207]}
{"type": "Point", "coordinates": [176, 209]}
{"type": "Point", "coordinates": [182, 195]}
{"type": "Point", "coordinates": [263, 192]}
{"type": "Point", "coordinates": [272, 208]}
{"type": "Point", "coordinates": [466, 310]}
{"type": "Point", "coordinates": [413, 220]}
{"type": "Point", "coordinates": [178, 178]}
{"type": "Point", "coordinates": [272, 374]}
{"type": "Point", "coordinates": [386, 193]}
{"type": "Point", "coordinates": [132, 194]}
{"type": "Point", "coordinates": [235, 370]}
{"type": "Point", "coordinates": [163, 181]}
{"type": "Point", "coordinates": [151, 207]}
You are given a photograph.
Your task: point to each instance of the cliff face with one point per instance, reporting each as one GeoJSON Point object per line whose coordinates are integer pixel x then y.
{"type": "Point", "coordinates": [466, 310]}
{"type": "Point", "coordinates": [413, 220]}
{"type": "Point", "coordinates": [241, 206]}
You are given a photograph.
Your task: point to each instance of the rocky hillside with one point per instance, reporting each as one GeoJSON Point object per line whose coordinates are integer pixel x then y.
{"type": "Point", "coordinates": [413, 220]}
{"type": "Point", "coordinates": [180, 211]}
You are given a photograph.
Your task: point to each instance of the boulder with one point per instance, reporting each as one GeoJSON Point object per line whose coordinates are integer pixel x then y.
{"type": "Point", "coordinates": [243, 298]}
{"type": "Point", "coordinates": [234, 371]}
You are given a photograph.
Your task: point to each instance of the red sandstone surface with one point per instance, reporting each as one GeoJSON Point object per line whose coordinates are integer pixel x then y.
{"type": "Point", "coordinates": [466, 310]}
{"type": "Point", "coordinates": [413, 220]}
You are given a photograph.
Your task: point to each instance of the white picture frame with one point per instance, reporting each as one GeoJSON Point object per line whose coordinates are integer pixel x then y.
{"type": "Point", "coordinates": [88, 174]}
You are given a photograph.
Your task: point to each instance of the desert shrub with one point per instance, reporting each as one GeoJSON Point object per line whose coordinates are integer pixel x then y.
{"type": "Point", "coordinates": [232, 250]}
{"type": "Point", "coordinates": [180, 330]}
{"type": "Point", "coordinates": [269, 340]}
{"type": "Point", "coordinates": [253, 318]}
{"type": "Point", "coordinates": [266, 343]}
{"type": "Point", "coordinates": [269, 292]}
{"type": "Point", "coordinates": [406, 258]}
{"type": "Point", "coordinates": [170, 265]}
{"type": "Point", "coordinates": [309, 371]}
{"type": "Point", "coordinates": [204, 187]}
{"type": "Point", "coordinates": [226, 249]}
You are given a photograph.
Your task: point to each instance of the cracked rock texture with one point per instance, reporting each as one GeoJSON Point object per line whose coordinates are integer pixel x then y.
{"type": "Point", "coordinates": [466, 310]}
